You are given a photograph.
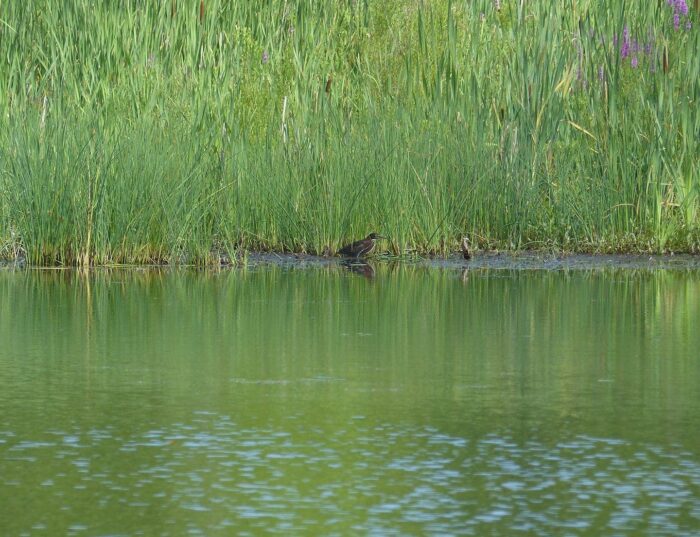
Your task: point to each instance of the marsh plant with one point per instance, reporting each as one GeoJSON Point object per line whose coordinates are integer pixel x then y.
{"type": "Point", "coordinates": [177, 131]}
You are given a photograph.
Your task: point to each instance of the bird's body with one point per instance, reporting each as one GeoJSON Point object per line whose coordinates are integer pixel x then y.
{"type": "Point", "coordinates": [360, 248]}
{"type": "Point", "coordinates": [465, 248]}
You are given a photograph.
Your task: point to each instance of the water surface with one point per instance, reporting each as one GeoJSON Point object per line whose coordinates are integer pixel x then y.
{"type": "Point", "coordinates": [313, 401]}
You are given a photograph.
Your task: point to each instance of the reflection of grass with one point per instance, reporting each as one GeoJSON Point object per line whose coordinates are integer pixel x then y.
{"type": "Point", "coordinates": [136, 132]}
{"type": "Point", "coordinates": [561, 328]}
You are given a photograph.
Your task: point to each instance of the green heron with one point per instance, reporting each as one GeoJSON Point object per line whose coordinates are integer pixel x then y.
{"type": "Point", "coordinates": [465, 248]}
{"type": "Point", "coordinates": [361, 247]}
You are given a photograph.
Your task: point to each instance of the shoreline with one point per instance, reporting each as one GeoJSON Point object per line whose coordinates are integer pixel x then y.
{"type": "Point", "coordinates": [498, 260]}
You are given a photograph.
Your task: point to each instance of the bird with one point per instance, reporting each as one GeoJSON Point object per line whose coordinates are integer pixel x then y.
{"type": "Point", "coordinates": [360, 248]}
{"type": "Point", "coordinates": [465, 248]}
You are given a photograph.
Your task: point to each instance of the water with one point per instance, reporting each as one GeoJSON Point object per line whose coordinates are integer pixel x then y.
{"type": "Point", "coordinates": [421, 401]}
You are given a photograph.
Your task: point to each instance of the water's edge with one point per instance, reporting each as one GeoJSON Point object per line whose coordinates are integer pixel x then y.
{"type": "Point", "coordinates": [481, 260]}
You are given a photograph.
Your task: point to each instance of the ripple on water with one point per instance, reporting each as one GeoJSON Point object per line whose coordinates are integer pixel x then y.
{"type": "Point", "coordinates": [372, 478]}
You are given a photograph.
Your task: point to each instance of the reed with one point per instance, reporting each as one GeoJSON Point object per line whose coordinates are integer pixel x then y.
{"type": "Point", "coordinates": [152, 132]}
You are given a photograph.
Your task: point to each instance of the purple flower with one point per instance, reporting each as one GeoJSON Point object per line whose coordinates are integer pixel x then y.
{"type": "Point", "coordinates": [635, 62]}
{"type": "Point", "coordinates": [625, 48]}
{"type": "Point", "coordinates": [680, 9]}
{"type": "Point", "coordinates": [688, 25]}
{"type": "Point", "coordinates": [265, 56]}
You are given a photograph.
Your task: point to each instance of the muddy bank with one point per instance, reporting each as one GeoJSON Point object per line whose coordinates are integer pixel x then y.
{"type": "Point", "coordinates": [479, 260]}
{"type": "Point", "coordinates": [496, 260]}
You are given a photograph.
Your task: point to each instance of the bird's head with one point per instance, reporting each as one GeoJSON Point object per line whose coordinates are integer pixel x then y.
{"type": "Point", "coordinates": [375, 236]}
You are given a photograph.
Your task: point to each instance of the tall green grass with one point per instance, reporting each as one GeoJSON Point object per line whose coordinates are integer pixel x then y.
{"type": "Point", "coordinates": [137, 132]}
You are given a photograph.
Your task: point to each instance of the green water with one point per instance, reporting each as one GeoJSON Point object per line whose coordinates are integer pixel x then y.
{"type": "Point", "coordinates": [317, 401]}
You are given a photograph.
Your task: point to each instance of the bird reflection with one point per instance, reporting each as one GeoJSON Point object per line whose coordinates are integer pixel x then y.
{"type": "Point", "coordinates": [359, 267]}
